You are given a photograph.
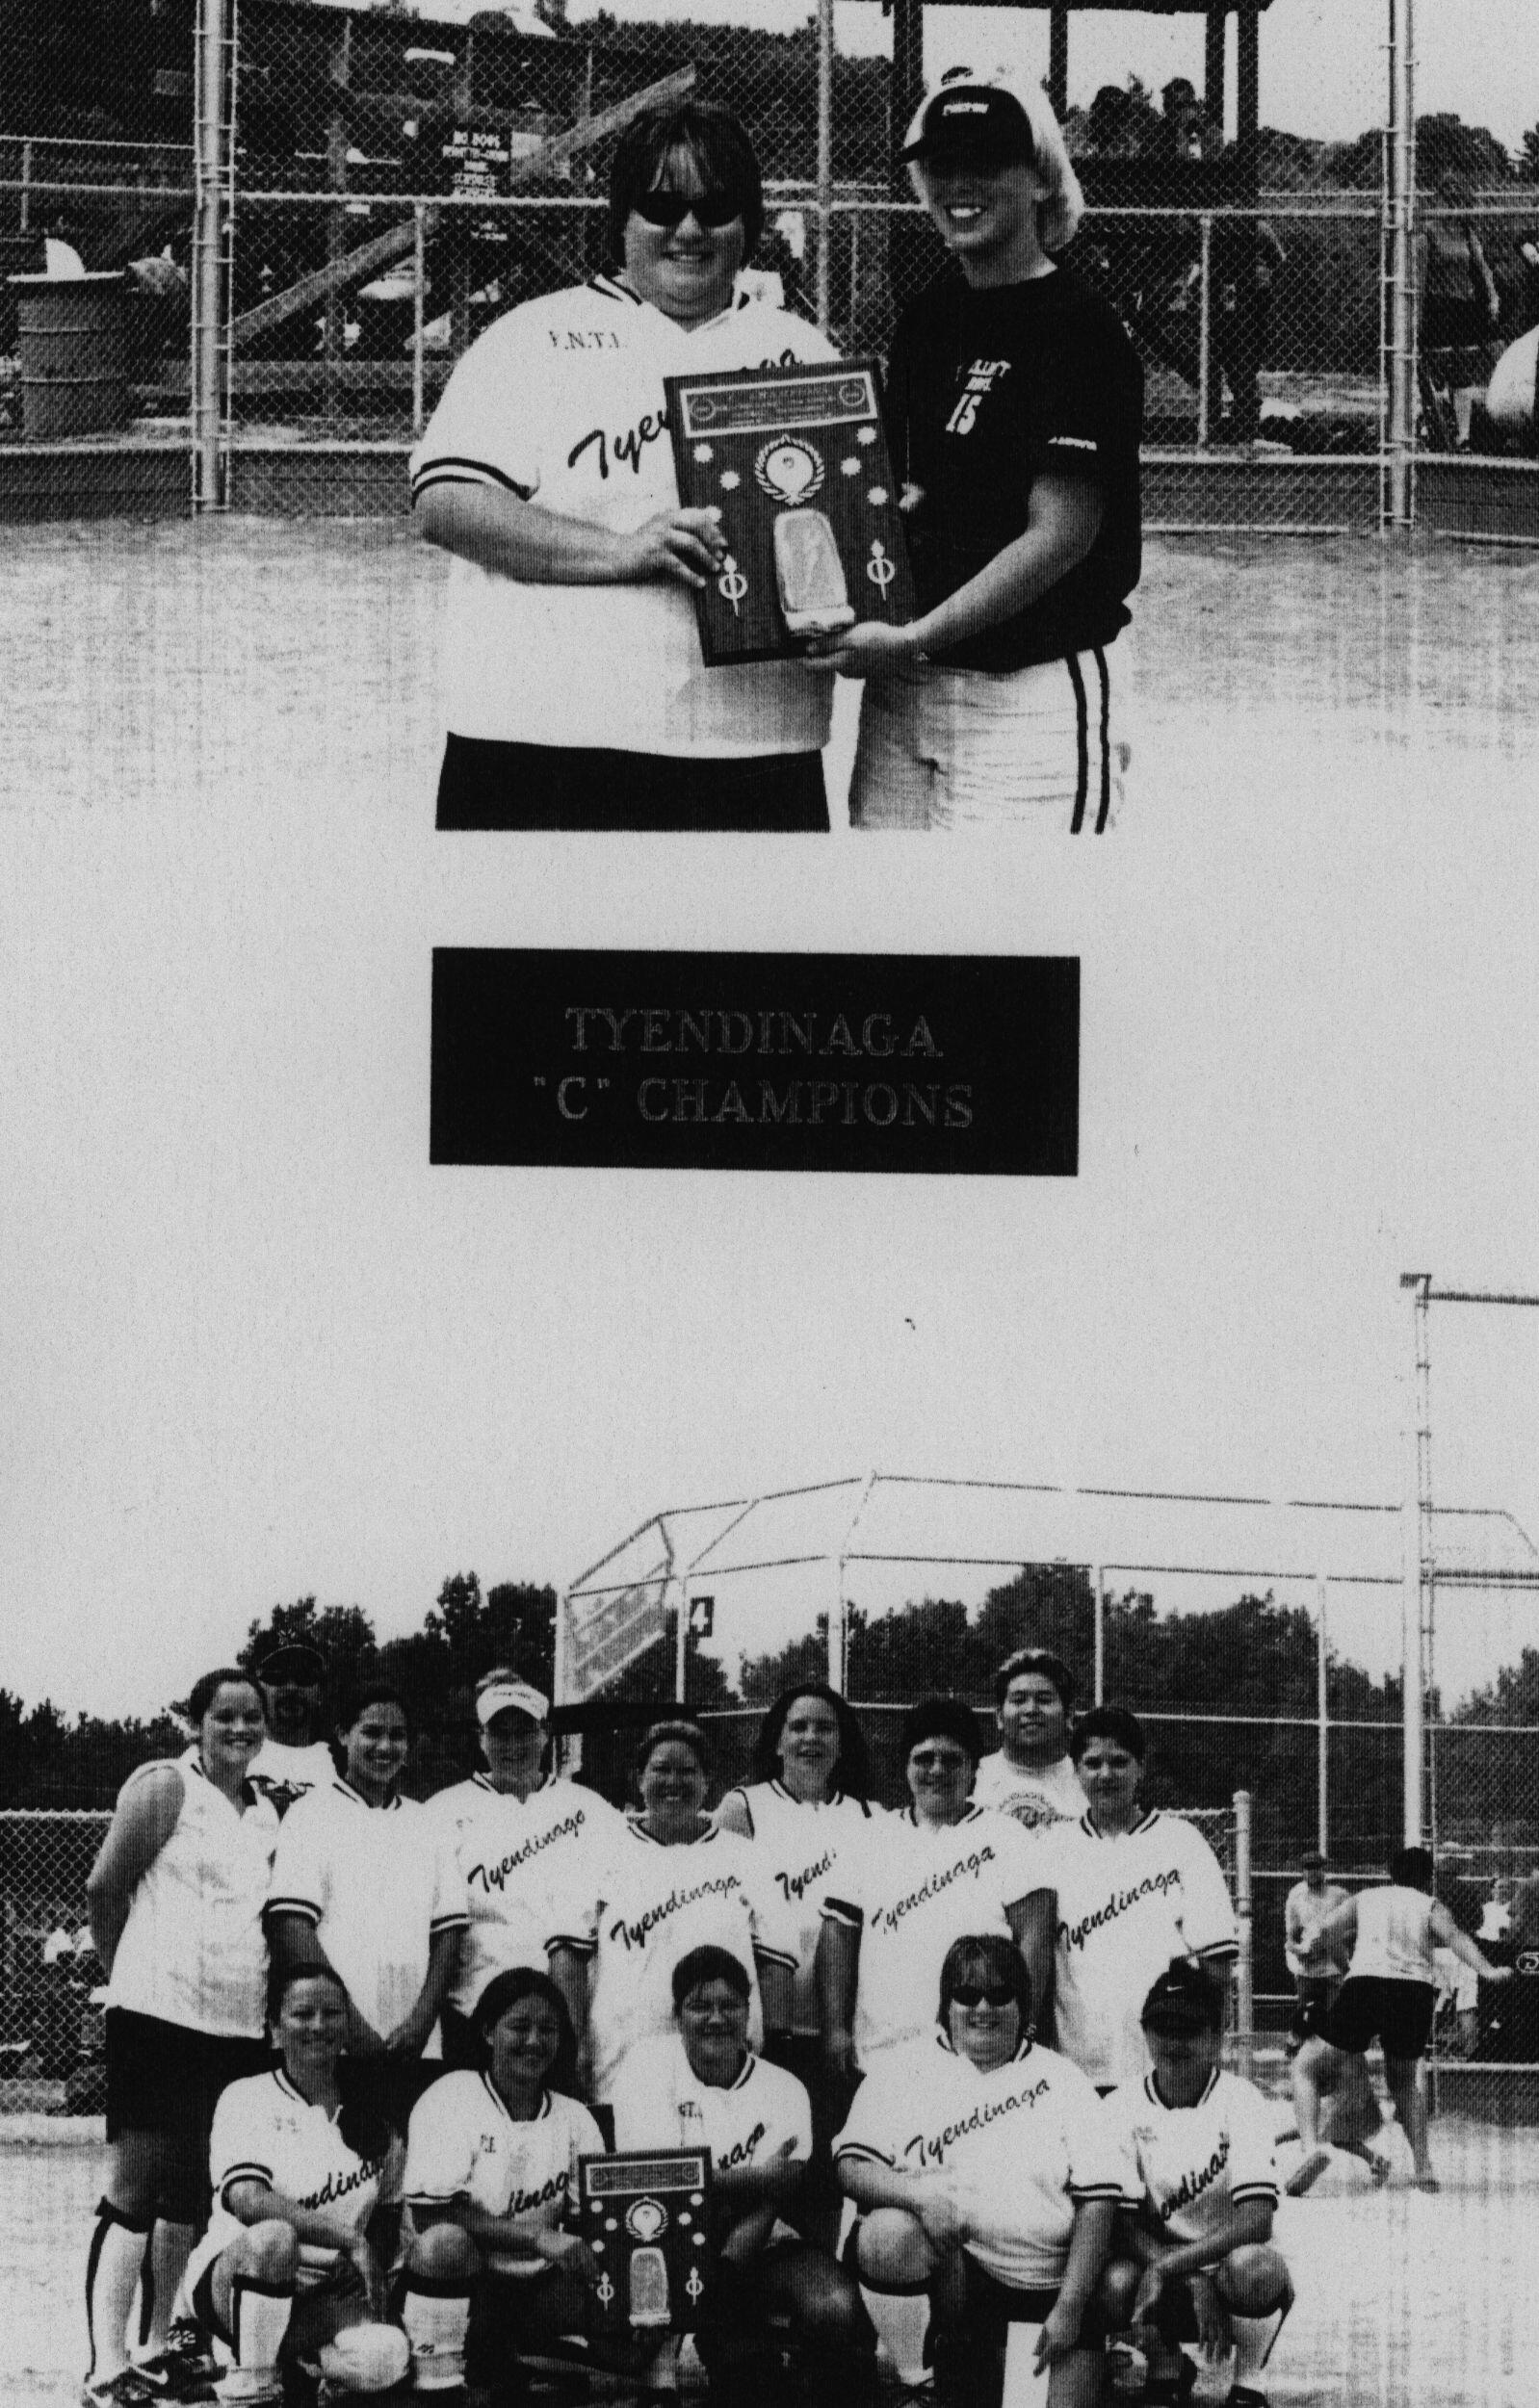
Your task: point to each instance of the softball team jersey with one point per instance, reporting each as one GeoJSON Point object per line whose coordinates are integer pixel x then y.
{"type": "Point", "coordinates": [267, 2131]}
{"type": "Point", "coordinates": [193, 1951]}
{"type": "Point", "coordinates": [560, 402]}
{"type": "Point", "coordinates": [800, 1847]}
{"type": "Point", "coordinates": [378, 1882]}
{"type": "Point", "coordinates": [650, 1907]}
{"type": "Point", "coordinates": [1127, 1904]}
{"type": "Point", "coordinates": [518, 1859]}
{"type": "Point", "coordinates": [659, 2104]}
{"type": "Point", "coordinates": [909, 1890]}
{"type": "Point", "coordinates": [463, 2144]}
{"type": "Point", "coordinates": [1019, 2147]}
{"type": "Point", "coordinates": [1192, 2166]}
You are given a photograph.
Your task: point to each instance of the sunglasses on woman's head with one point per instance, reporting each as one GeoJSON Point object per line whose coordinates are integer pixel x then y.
{"type": "Point", "coordinates": [715, 208]}
{"type": "Point", "coordinates": [973, 1994]}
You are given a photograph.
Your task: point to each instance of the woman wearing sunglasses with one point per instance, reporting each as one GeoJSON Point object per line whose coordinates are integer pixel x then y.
{"type": "Point", "coordinates": [987, 2173]}
{"type": "Point", "coordinates": [577, 695]}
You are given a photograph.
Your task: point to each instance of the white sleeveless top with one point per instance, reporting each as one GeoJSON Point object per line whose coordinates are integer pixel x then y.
{"type": "Point", "coordinates": [800, 1847]}
{"type": "Point", "coordinates": [1394, 1936]}
{"type": "Point", "coordinates": [193, 1951]}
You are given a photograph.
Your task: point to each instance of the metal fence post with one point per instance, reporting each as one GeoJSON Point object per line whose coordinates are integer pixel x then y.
{"type": "Point", "coordinates": [1099, 1636]}
{"type": "Point", "coordinates": [418, 278]}
{"type": "Point", "coordinates": [1402, 511]}
{"type": "Point", "coordinates": [825, 156]}
{"type": "Point", "coordinates": [1205, 332]}
{"type": "Point", "coordinates": [208, 173]}
{"type": "Point", "coordinates": [1322, 1767]}
{"type": "Point", "coordinates": [1246, 1968]}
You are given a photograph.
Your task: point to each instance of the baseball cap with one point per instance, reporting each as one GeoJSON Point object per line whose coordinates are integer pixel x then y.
{"type": "Point", "coordinates": [503, 1692]}
{"type": "Point", "coordinates": [1312, 1856]}
{"type": "Point", "coordinates": [974, 112]}
{"type": "Point", "coordinates": [305, 1659]}
{"type": "Point", "coordinates": [1000, 115]}
{"type": "Point", "coordinates": [1183, 1999]}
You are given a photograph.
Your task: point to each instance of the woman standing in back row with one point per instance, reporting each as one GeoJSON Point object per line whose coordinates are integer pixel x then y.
{"type": "Point", "coordinates": [808, 1798]}
{"type": "Point", "coordinates": [176, 1899]}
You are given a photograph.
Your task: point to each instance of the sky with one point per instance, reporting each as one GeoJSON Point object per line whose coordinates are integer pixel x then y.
{"type": "Point", "coordinates": [1322, 62]}
{"type": "Point", "coordinates": [257, 1348]}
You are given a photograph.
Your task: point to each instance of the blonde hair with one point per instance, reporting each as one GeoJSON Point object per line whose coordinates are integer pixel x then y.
{"type": "Point", "coordinates": [1062, 204]}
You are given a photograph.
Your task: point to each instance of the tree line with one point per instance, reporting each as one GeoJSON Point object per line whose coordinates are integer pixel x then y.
{"type": "Point", "coordinates": [1249, 1666]}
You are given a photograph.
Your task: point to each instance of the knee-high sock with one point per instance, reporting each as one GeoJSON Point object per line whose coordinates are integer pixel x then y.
{"type": "Point", "coordinates": [435, 2316]}
{"type": "Point", "coordinates": [1254, 2336]}
{"type": "Point", "coordinates": [113, 2272]}
{"type": "Point", "coordinates": [259, 2319]}
{"type": "Point", "coordinates": [170, 2245]}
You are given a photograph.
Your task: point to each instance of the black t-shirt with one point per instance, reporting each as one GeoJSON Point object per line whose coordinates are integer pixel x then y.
{"type": "Point", "coordinates": [987, 390]}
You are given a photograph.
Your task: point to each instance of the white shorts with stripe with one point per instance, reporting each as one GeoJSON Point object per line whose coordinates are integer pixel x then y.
{"type": "Point", "coordinates": [952, 748]}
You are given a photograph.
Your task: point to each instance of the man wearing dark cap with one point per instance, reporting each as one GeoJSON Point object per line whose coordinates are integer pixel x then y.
{"type": "Point", "coordinates": [1015, 405]}
{"type": "Point", "coordinates": [1193, 2257]}
{"type": "Point", "coordinates": [1310, 1903]}
{"type": "Point", "coordinates": [293, 1759]}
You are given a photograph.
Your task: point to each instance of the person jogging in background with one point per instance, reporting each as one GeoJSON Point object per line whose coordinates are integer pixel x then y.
{"type": "Point", "coordinates": [1389, 1992]}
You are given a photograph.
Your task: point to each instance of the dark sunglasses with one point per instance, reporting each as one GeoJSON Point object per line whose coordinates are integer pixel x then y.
{"type": "Point", "coordinates": [971, 1994]}
{"type": "Point", "coordinates": [715, 208]}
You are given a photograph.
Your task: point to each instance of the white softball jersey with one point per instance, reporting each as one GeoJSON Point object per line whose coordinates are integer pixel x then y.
{"type": "Point", "coordinates": [1019, 2147]}
{"type": "Point", "coordinates": [519, 1860]}
{"type": "Point", "coordinates": [1192, 2165]}
{"type": "Point", "coordinates": [909, 1890]}
{"type": "Point", "coordinates": [463, 2144]}
{"type": "Point", "coordinates": [652, 1905]}
{"type": "Point", "coordinates": [193, 1951]}
{"type": "Point", "coordinates": [1035, 1799]}
{"type": "Point", "coordinates": [800, 1847]}
{"type": "Point", "coordinates": [378, 1882]}
{"type": "Point", "coordinates": [267, 2131]}
{"type": "Point", "coordinates": [1395, 1940]}
{"type": "Point", "coordinates": [659, 2104]}
{"type": "Point", "coordinates": [1127, 1905]}
{"type": "Point", "coordinates": [560, 402]}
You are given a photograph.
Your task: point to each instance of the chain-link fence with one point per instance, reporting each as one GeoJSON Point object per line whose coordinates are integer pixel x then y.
{"type": "Point", "coordinates": [50, 2025]}
{"type": "Point", "coordinates": [307, 210]}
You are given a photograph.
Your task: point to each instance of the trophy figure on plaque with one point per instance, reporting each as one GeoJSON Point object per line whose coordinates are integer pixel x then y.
{"type": "Point", "coordinates": [793, 461]}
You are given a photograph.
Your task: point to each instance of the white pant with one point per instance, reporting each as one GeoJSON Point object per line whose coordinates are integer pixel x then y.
{"type": "Point", "coordinates": [950, 748]}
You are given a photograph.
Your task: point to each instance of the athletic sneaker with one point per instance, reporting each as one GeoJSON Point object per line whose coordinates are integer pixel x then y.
{"type": "Point", "coordinates": [1245, 2395]}
{"type": "Point", "coordinates": [128, 2390]}
{"type": "Point", "coordinates": [185, 2368]}
{"type": "Point", "coordinates": [250, 2386]}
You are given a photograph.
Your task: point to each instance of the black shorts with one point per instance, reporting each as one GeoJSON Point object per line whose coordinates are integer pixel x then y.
{"type": "Point", "coordinates": [1398, 2014]}
{"type": "Point", "coordinates": [484, 784]}
{"type": "Point", "coordinates": [165, 2078]}
{"type": "Point", "coordinates": [993, 2307]}
{"type": "Point", "coordinates": [829, 2096]}
{"type": "Point", "coordinates": [515, 2316]}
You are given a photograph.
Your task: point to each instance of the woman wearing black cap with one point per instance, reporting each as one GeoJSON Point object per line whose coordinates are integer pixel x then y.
{"type": "Point", "coordinates": [939, 1868]}
{"type": "Point", "coordinates": [1015, 406]}
{"type": "Point", "coordinates": [1194, 2255]}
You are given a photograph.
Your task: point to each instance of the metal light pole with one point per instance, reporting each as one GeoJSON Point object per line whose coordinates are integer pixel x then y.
{"type": "Point", "coordinates": [1417, 1561]}
{"type": "Point", "coordinates": [1401, 499]}
{"type": "Point", "coordinates": [825, 156]}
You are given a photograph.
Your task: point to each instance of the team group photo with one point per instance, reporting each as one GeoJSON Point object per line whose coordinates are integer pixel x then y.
{"type": "Point", "coordinates": [806, 2066]}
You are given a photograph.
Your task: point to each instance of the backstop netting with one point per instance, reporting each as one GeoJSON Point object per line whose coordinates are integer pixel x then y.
{"type": "Point", "coordinates": [311, 210]}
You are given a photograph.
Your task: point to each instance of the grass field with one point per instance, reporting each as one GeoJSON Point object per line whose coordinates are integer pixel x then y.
{"type": "Point", "coordinates": [1405, 2301]}
{"type": "Point", "coordinates": [152, 666]}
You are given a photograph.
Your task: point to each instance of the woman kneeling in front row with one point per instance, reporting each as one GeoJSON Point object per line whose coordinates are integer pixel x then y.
{"type": "Point", "coordinates": [986, 2175]}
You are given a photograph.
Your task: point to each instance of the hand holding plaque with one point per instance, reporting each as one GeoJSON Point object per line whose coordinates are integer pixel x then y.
{"type": "Point", "coordinates": [794, 462]}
